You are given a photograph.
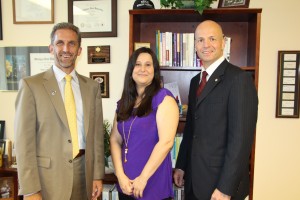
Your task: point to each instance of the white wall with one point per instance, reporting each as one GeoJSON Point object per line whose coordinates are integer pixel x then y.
{"type": "Point", "coordinates": [277, 164]}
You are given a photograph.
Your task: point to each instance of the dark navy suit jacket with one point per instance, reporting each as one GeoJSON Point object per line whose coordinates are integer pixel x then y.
{"type": "Point", "coordinates": [219, 133]}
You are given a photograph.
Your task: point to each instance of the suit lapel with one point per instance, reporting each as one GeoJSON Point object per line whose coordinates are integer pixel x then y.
{"type": "Point", "coordinates": [85, 95]}
{"type": "Point", "coordinates": [213, 81]}
{"type": "Point", "coordinates": [51, 86]}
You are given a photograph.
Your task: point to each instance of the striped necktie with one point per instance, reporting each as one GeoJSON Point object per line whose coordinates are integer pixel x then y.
{"type": "Point", "coordinates": [71, 114]}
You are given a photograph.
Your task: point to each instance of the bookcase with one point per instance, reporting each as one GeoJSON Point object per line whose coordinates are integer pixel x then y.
{"type": "Point", "coordinates": [242, 25]}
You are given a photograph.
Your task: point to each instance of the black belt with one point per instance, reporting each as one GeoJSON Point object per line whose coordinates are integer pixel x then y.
{"type": "Point", "coordinates": [81, 153]}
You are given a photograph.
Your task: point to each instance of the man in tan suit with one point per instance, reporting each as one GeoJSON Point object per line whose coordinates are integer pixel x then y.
{"type": "Point", "coordinates": [47, 168]}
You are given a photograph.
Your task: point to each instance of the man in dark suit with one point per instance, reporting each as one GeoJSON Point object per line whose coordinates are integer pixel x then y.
{"type": "Point", "coordinates": [60, 157]}
{"type": "Point", "coordinates": [213, 160]}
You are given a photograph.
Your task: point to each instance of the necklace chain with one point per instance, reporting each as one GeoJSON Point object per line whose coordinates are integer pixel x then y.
{"type": "Point", "coordinates": [128, 136]}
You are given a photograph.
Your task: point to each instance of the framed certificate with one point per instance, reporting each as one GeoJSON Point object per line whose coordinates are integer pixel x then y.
{"type": "Point", "coordinates": [287, 102]}
{"type": "Point", "coordinates": [233, 4]}
{"type": "Point", "coordinates": [33, 12]}
{"type": "Point", "coordinates": [94, 18]}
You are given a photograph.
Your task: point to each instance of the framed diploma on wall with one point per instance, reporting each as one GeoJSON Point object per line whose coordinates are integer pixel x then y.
{"type": "Point", "coordinates": [94, 18]}
{"type": "Point", "coordinates": [287, 102]}
{"type": "Point", "coordinates": [33, 12]}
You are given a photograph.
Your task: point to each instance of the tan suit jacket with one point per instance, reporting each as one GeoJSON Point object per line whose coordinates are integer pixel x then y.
{"type": "Point", "coordinates": [43, 140]}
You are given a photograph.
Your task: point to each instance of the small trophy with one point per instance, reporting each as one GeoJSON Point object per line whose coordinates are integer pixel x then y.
{"type": "Point", "coordinates": [143, 4]}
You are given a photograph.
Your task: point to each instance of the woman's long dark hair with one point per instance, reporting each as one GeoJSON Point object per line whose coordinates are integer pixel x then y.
{"type": "Point", "coordinates": [129, 94]}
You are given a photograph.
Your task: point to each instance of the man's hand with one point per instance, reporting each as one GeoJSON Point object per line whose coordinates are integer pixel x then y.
{"type": "Point", "coordinates": [218, 195]}
{"type": "Point", "coordinates": [35, 196]}
{"type": "Point", "coordinates": [178, 177]}
{"type": "Point", "coordinates": [97, 189]}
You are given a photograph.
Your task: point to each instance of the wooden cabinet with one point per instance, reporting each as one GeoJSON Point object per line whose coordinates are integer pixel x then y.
{"type": "Point", "coordinates": [241, 24]}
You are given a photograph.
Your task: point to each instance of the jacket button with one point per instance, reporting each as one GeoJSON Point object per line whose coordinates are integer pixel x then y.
{"type": "Point", "coordinates": [195, 136]}
{"type": "Point", "coordinates": [70, 161]}
{"type": "Point", "coordinates": [69, 141]}
{"type": "Point", "coordinates": [196, 116]}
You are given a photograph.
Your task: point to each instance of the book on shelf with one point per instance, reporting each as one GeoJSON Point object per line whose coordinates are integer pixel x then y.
{"type": "Point", "coordinates": [178, 192]}
{"type": "Point", "coordinates": [226, 51]}
{"type": "Point", "coordinates": [175, 149]}
{"type": "Point", "coordinates": [110, 192]}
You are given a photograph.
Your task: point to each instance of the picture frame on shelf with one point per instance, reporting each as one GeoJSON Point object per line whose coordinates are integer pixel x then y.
{"type": "Point", "coordinates": [138, 45]}
{"type": "Point", "coordinates": [33, 12]}
{"type": "Point", "coordinates": [287, 101]}
{"type": "Point", "coordinates": [103, 79]}
{"type": "Point", "coordinates": [2, 128]}
{"type": "Point", "coordinates": [233, 4]}
{"type": "Point", "coordinates": [94, 18]}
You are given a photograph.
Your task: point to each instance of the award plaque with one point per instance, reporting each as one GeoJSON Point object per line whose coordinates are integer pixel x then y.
{"type": "Point", "coordinates": [98, 54]}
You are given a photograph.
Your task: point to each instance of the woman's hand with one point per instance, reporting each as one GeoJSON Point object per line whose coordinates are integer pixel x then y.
{"type": "Point", "coordinates": [126, 185]}
{"type": "Point", "coordinates": [139, 184]}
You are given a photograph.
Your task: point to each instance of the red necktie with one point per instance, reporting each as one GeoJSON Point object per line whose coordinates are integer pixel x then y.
{"type": "Point", "coordinates": [202, 83]}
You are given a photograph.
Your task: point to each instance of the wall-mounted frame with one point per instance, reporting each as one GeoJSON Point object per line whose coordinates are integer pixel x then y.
{"type": "Point", "coordinates": [33, 12]}
{"type": "Point", "coordinates": [2, 128]}
{"type": "Point", "coordinates": [233, 3]}
{"type": "Point", "coordinates": [19, 62]}
{"type": "Point", "coordinates": [1, 34]}
{"type": "Point", "coordinates": [287, 102]}
{"type": "Point", "coordinates": [103, 79]}
{"type": "Point", "coordinates": [94, 18]}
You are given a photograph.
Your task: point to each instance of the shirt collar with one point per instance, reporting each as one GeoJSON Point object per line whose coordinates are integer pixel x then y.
{"type": "Point", "coordinates": [60, 75]}
{"type": "Point", "coordinates": [210, 70]}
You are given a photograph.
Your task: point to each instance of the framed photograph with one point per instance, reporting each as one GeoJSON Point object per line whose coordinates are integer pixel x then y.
{"type": "Point", "coordinates": [138, 45]}
{"type": "Point", "coordinates": [233, 3]}
{"type": "Point", "coordinates": [7, 188]}
{"type": "Point", "coordinates": [33, 12]}
{"type": "Point", "coordinates": [287, 102]}
{"type": "Point", "coordinates": [103, 79]}
{"type": "Point", "coordinates": [2, 128]}
{"type": "Point", "coordinates": [94, 18]}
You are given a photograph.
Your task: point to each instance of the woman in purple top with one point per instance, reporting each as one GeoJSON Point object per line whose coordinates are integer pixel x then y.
{"type": "Point", "coordinates": [143, 132]}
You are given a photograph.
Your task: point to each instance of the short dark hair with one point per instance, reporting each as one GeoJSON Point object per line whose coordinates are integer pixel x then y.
{"type": "Point", "coordinates": [66, 25]}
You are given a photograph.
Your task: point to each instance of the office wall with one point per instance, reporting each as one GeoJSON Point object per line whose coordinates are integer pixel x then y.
{"type": "Point", "coordinates": [277, 164]}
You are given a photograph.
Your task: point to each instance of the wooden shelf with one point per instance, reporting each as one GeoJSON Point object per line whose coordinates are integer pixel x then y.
{"type": "Point", "coordinates": [242, 25]}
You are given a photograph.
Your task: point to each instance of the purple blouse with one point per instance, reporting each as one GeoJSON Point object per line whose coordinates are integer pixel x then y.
{"type": "Point", "coordinates": [141, 142]}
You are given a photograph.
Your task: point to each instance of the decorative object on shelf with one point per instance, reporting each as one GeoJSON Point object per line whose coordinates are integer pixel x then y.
{"type": "Point", "coordinates": [287, 102]}
{"type": "Point", "coordinates": [138, 45]}
{"type": "Point", "coordinates": [143, 4]}
{"type": "Point", "coordinates": [103, 79]}
{"type": "Point", "coordinates": [171, 4]}
{"type": "Point", "coordinates": [96, 18]}
{"type": "Point", "coordinates": [98, 54]}
{"type": "Point", "coordinates": [2, 128]}
{"type": "Point", "coordinates": [33, 12]}
{"type": "Point", "coordinates": [200, 5]}
{"type": "Point", "coordinates": [233, 3]}
{"type": "Point", "coordinates": [7, 188]}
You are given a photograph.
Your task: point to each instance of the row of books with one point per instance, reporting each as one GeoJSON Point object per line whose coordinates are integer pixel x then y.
{"type": "Point", "coordinates": [110, 192]}
{"type": "Point", "coordinates": [178, 49]}
{"type": "Point", "coordinates": [175, 148]}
